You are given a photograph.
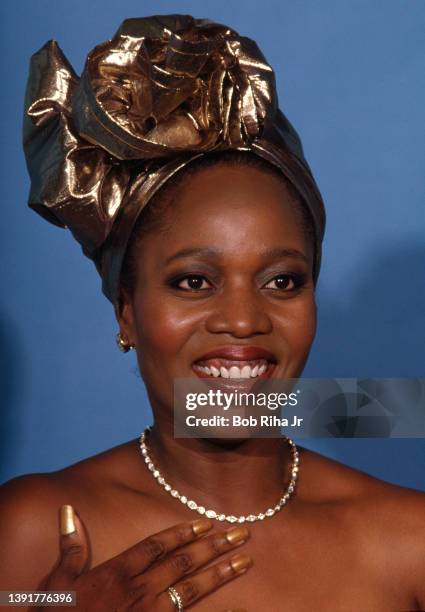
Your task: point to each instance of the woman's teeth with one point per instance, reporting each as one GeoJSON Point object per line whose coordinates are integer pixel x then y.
{"type": "Point", "coordinates": [245, 371]}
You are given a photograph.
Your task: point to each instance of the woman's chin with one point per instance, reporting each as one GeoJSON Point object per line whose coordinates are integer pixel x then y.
{"type": "Point", "coordinates": [229, 443]}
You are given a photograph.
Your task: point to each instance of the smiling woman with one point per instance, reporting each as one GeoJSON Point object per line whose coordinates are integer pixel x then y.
{"type": "Point", "coordinates": [246, 262]}
{"type": "Point", "coordinates": [172, 165]}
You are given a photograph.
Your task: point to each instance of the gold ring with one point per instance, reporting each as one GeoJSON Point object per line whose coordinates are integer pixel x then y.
{"type": "Point", "coordinates": [175, 598]}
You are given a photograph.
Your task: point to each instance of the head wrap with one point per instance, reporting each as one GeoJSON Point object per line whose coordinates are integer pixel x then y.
{"type": "Point", "coordinates": [162, 92]}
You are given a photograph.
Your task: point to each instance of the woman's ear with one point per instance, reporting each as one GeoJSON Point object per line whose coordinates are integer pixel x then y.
{"type": "Point", "coordinates": [125, 317]}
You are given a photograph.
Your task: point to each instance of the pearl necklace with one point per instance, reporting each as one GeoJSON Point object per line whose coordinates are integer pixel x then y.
{"type": "Point", "coordinates": [251, 518]}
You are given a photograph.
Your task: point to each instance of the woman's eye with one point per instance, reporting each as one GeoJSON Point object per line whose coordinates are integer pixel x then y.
{"type": "Point", "coordinates": [198, 282]}
{"type": "Point", "coordinates": [193, 282]}
{"type": "Point", "coordinates": [283, 282]}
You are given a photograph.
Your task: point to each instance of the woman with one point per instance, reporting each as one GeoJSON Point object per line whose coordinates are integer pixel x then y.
{"type": "Point", "coordinates": [172, 166]}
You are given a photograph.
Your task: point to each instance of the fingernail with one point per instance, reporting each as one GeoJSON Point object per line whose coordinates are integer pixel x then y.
{"type": "Point", "coordinates": [236, 535]}
{"type": "Point", "coordinates": [67, 522]}
{"type": "Point", "coordinates": [240, 563]}
{"type": "Point", "coordinates": [201, 525]}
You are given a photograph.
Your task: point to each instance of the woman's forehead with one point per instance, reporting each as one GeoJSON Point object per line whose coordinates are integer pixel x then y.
{"type": "Point", "coordinates": [221, 192]}
{"type": "Point", "coordinates": [226, 210]}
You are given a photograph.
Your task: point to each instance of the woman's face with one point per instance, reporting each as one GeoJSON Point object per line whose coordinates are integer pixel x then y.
{"type": "Point", "coordinates": [230, 274]}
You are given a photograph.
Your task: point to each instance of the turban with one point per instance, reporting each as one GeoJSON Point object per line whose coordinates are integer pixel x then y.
{"type": "Point", "coordinates": [162, 92]}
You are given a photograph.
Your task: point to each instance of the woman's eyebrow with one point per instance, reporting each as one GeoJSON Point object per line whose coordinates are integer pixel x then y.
{"type": "Point", "coordinates": [276, 253]}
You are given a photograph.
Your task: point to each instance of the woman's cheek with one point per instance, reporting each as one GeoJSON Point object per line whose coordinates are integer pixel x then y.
{"type": "Point", "coordinates": [304, 330]}
{"type": "Point", "coordinates": [296, 326]}
{"type": "Point", "coordinates": [163, 328]}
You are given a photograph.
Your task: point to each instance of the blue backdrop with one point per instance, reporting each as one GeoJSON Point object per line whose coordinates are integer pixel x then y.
{"type": "Point", "coordinates": [351, 77]}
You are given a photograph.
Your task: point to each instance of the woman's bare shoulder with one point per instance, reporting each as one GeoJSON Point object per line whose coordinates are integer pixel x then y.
{"type": "Point", "coordinates": [326, 476]}
{"type": "Point", "coordinates": [111, 463]}
{"type": "Point", "coordinates": [29, 528]}
{"type": "Point", "coordinates": [385, 521]}
{"type": "Point", "coordinates": [30, 506]}
{"type": "Point", "coordinates": [384, 503]}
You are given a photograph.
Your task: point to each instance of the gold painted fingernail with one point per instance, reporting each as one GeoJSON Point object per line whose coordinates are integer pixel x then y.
{"type": "Point", "coordinates": [67, 522]}
{"type": "Point", "coordinates": [201, 525]}
{"type": "Point", "coordinates": [240, 563]}
{"type": "Point", "coordinates": [235, 535]}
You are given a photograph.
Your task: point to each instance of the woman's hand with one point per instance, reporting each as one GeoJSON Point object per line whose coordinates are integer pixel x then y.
{"type": "Point", "coordinates": [138, 578]}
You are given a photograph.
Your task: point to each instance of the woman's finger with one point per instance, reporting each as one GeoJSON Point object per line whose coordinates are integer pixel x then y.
{"type": "Point", "coordinates": [191, 557]}
{"type": "Point", "coordinates": [142, 555]}
{"type": "Point", "coordinates": [198, 585]}
{"type": "Point", "coordinates": [74, 545]}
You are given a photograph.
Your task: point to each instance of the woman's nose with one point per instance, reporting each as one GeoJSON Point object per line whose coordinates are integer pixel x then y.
{"type": "Point", "coordinates": [240, 313]}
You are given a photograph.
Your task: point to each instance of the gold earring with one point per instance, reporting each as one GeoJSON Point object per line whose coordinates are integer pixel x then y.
{"type": "Point", "coordinates": [123, 345]}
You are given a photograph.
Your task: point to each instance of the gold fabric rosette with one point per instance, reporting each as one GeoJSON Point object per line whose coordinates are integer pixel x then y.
{"type": "Point", "coordinates": [163, 91]}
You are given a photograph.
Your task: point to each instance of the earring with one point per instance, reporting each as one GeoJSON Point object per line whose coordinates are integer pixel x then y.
{"type": "Point", "coordinates": [122, 344]}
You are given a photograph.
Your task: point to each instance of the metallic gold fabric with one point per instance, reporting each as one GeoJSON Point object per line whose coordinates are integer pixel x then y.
{"type": "Point", "coordinates": [161, 92]}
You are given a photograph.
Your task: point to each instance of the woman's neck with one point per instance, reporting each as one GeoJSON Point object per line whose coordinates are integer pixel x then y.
{"type": "Point", "coordinates": [240, 477]}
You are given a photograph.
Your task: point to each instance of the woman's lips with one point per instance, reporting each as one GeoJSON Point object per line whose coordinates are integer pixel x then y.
{"type": "Point", "coordinates": [217, 368]}
{"type": "Point", "coordinates": [235, 362]}
{"type": "Point", "coordinates": [236, 352]}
